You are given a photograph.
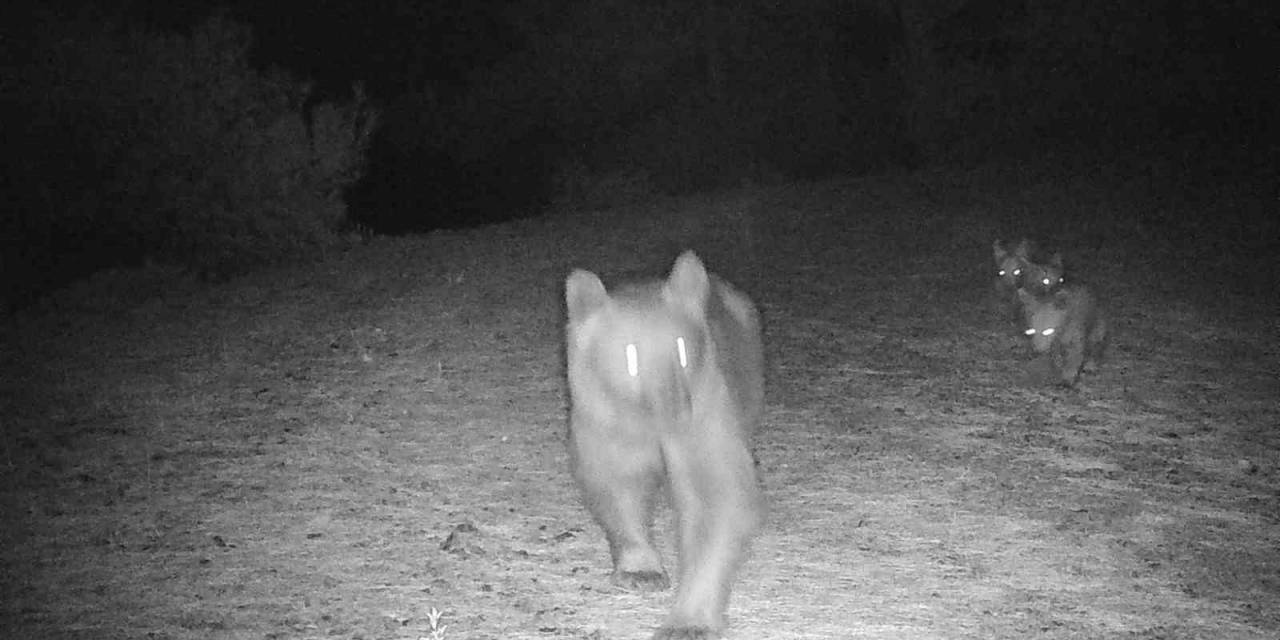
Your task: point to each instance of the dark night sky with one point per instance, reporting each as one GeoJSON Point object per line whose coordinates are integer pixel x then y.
{"type": "Point", "coordinates": [391, 46]}
{"type": "Point", "coordinates": [483, 102]}
{"type": "Point", "coordinates": [405, 46]}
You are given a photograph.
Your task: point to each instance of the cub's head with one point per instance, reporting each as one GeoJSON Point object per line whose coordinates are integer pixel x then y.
{"type": "Point", "coordinates": [642, 343]}
{"type": "Point", "coordinates": [1044, 278]}
{"type": "Point", "coordinates": [1011, 263]}
{"type": "Point", "coordinates": [1044, 316]}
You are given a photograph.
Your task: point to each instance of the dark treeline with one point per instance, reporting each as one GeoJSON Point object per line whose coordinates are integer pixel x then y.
{"type": "Point", "coordinates": [407, 116]}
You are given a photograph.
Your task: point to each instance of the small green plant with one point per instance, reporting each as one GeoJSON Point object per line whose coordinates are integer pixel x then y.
{"type": "Point", "coordinates": [437, 629]}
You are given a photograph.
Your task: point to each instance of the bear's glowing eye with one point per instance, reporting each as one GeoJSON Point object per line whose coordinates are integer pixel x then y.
{"type": "Point", "coordinates": [1030, 332]}
{"type": "Point", "coordinates": [633, 362]}
{"type": "Point", "coordinates": [1047, 332]}
{"type": "Point", "coordinates": [684, 356]}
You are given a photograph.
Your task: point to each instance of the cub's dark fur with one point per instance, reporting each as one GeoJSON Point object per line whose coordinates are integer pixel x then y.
{"type": "Point", "coordinates": [666, 384]}
{"type": "Point", "coordinates": [1020, 267]}
{"type": "Point", "coordinates": [1043, 278]}
{"type": "Point", "coordinates": [1069, 326]}
{"type": "Point", "coordinates": [1011, 262]}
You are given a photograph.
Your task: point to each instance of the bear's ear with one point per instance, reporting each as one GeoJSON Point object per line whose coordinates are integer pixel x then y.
{"type": "Point", "coordinates": [998, 250]}
{"type": "Point", "coordinates": [1026, 297]}
{"type": "Point", "coordinates": [689, 283]}
{"type": "Point", "coordinates": [583, 294]}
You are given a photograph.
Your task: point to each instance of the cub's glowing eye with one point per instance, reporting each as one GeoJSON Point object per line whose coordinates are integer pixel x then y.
{"type": "Point", "coordinates": [1030, 332]}
{"type": "Point", "coordinates": [633, 361]}
{"type": "Point", "coordinates": [1046, 282]}
{"type": "Point", "coordinates": [1047, 332]}
{"type": "Point", "coordinates": [684, 356]}
{"type": "Point", "coordinates": [1017, 272]}
{"type": "Point", "coordinates": [1001, 273]}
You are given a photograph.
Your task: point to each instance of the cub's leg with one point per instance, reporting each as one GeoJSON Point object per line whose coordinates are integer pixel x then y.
{"type": "Point", "coordinates": [719, 504]}
{"type": "Point", "coordinates": [619, 477]}
{"type": "Point", "coordinates": [1096, 348]}
{"type": "Point", "coordinates": [1072, 361]}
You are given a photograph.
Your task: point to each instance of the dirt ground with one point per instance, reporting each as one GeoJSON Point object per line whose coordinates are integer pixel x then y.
{"type": "Point", "coordinates": [339, 449]}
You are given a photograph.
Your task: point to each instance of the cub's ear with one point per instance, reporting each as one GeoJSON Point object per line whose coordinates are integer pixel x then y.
{"type": "Point", "coordinates": [583, 293]}
{"type": "Point", "coordinates": [998, 250]}
{"type": "Point", "coordinates": [689, 283]}
{"type": "Point", "coordinates": [1023, 249]}
{"type": "Point", "coordinates": [1056, 261]}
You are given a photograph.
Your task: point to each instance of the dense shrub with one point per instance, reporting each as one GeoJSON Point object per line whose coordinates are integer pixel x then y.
{"type": "Point", "coordinates": [173, 148]}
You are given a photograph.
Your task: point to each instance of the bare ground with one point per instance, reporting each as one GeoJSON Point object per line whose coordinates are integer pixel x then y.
{"type": "Point", "coordinates": [335, 450]}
